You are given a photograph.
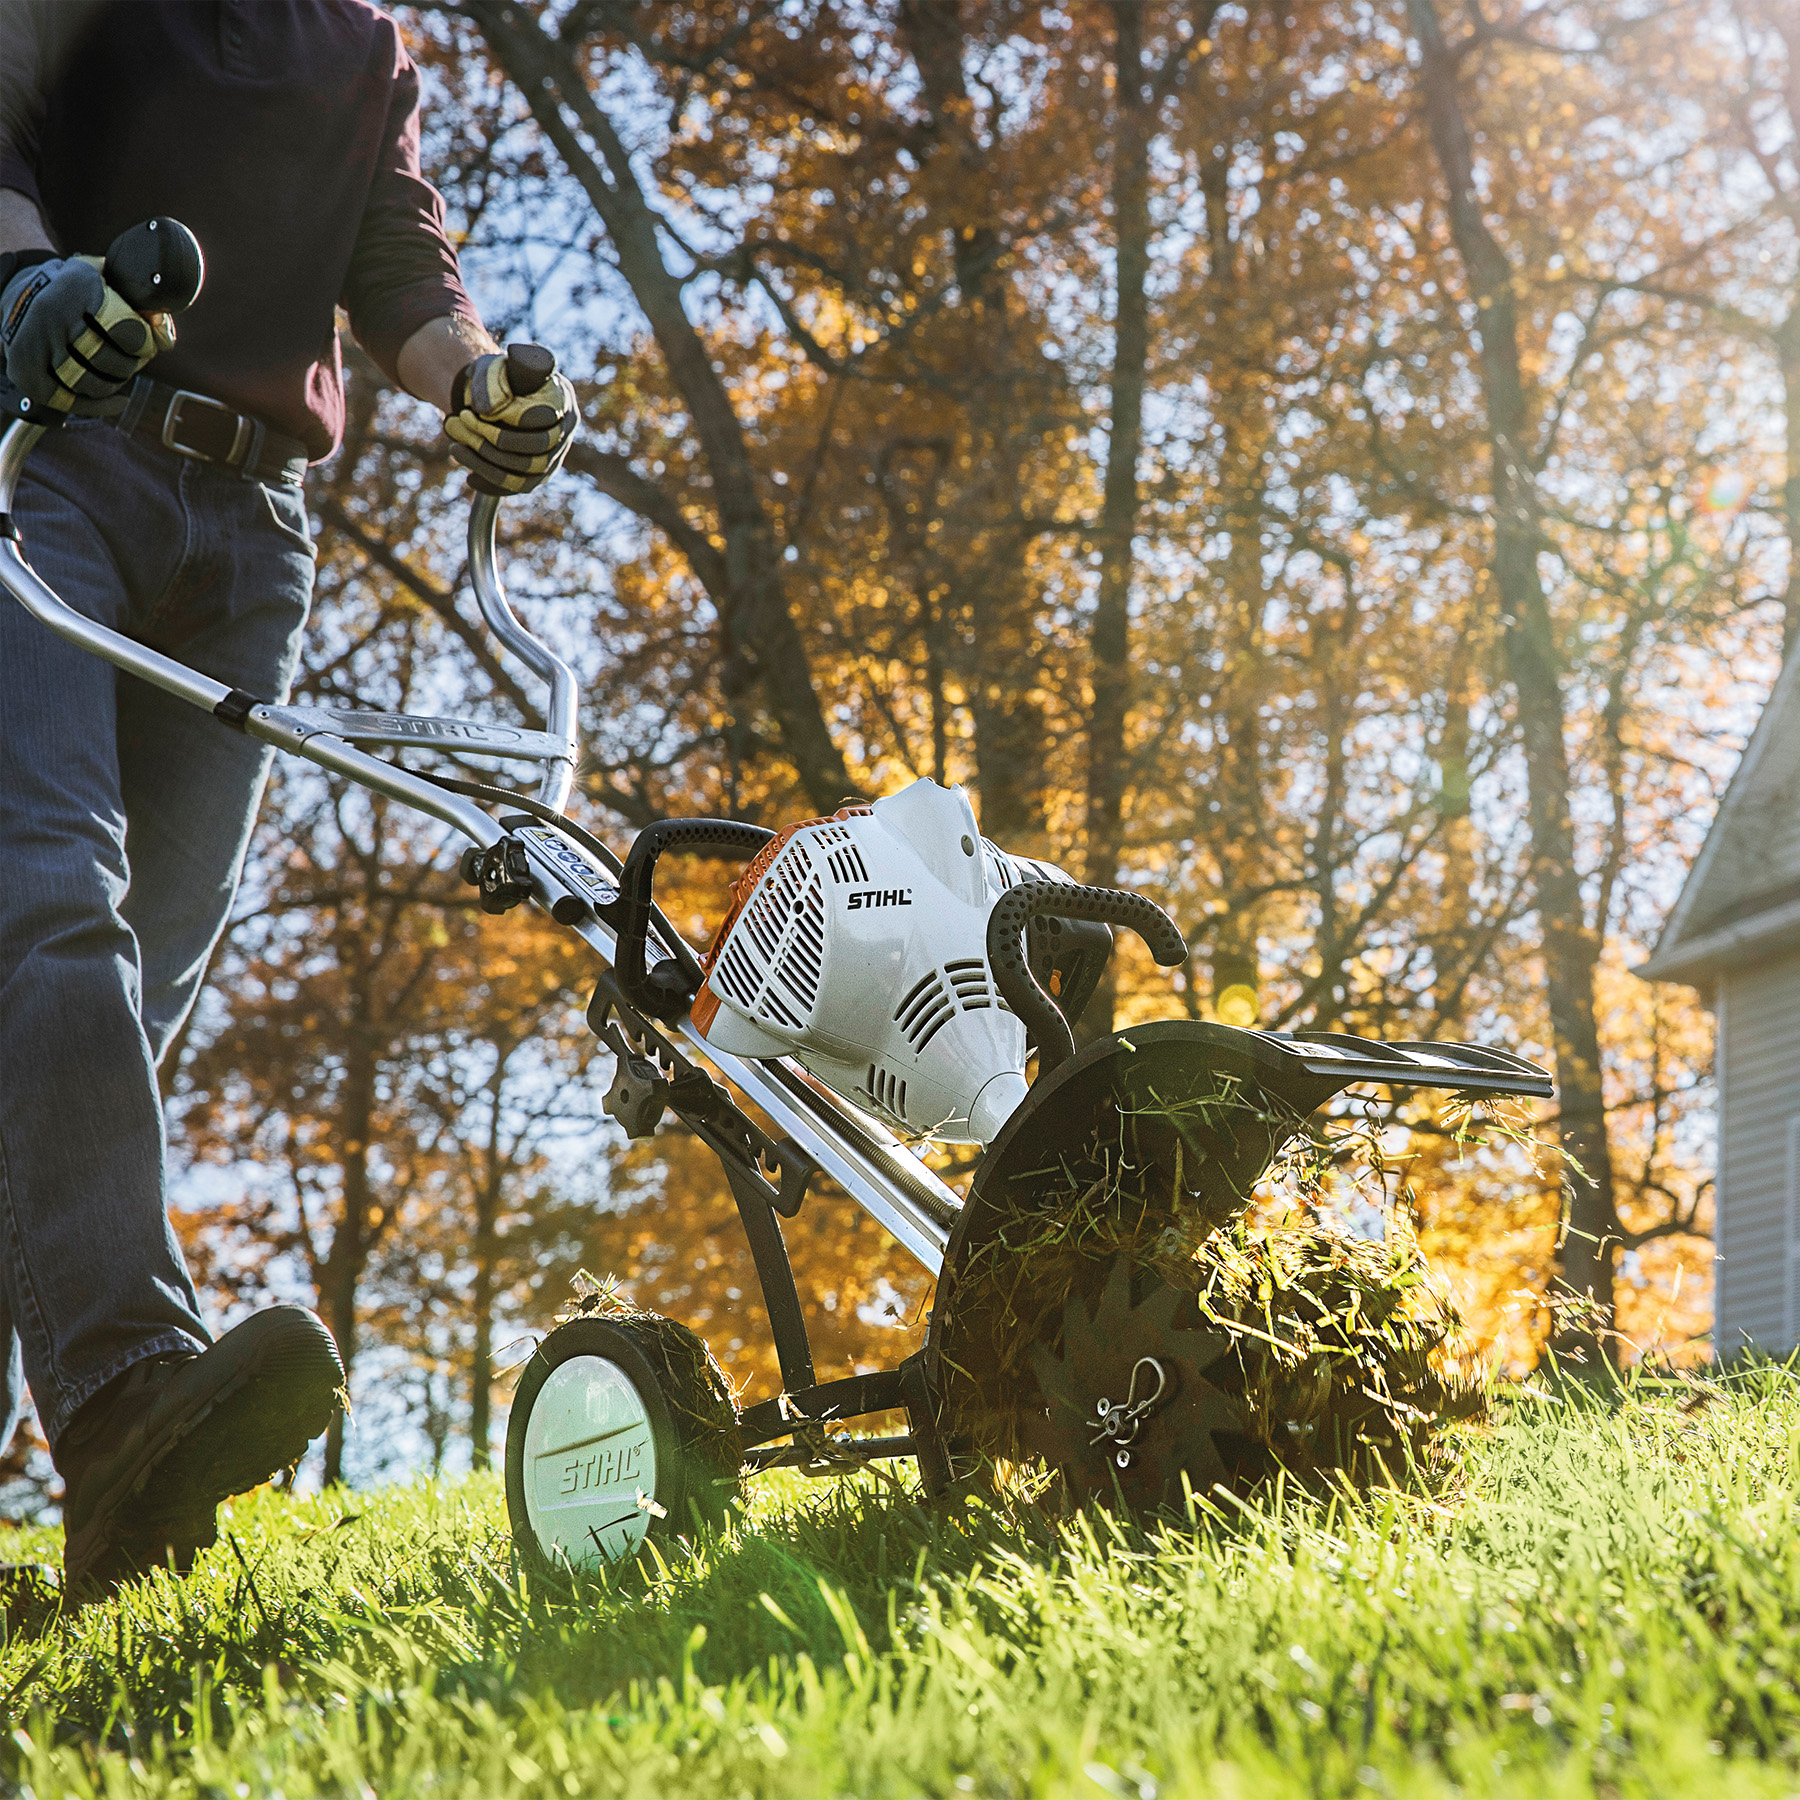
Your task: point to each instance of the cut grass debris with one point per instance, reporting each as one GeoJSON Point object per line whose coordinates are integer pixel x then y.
{"type": "Point", "coordinates": [1610, 1607]}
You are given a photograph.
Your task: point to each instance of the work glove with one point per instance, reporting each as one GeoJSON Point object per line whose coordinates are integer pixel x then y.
{"type": "Point", "coordinates": [70, 342]}
{"type": "Point", "coordinates": [512, 418]}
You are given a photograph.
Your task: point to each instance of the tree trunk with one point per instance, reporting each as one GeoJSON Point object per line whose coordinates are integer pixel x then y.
{"type": "Point", "coordinates": [481, 1299]}
{"type": "Point", "coordinates": [1787, 353]}
{"type": "Point", "coordinates": [343, 1269]}
{"type": "Point", "coordinates": [1011, 745]}
{"type": "Point", "coordinates": [1236, 819]}
{"type": "Point", "coordinates": [1119, 505]}
{"type": "Point", "coordinates": [1332, 637]}
{"type": "Point", "coordinates": [1232, 818]}
{"type": "Point", "coordinates": [1571, 947]}
{"type": "Point", "coordinates": [996, 656]}
{"type": "Point", "coordinates": [1450, 941]}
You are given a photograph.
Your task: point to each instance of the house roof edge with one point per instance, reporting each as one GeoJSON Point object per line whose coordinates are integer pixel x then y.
{"type": "Point", "coordinates": [1673, 949]}
{"type": "Point", "coordinates": [1698, 960]}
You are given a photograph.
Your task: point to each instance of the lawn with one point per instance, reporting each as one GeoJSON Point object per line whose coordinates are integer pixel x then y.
{"type": "Point", "coordinates": [1611, 1606]}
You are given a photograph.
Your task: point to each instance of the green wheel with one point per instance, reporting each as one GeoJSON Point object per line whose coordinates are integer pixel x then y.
{"type": "Point", "coordinates": [622, 1429]}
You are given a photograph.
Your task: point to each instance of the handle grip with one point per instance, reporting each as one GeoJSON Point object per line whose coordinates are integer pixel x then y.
{"type": "Point", "coordinates": [155, 266]}
{"type": "Point", "coordinates": [666, 991]}
{"type": "Point", "coordinates": [1006, 924]}
{"type": "Point", "coordinates": [528, 367]}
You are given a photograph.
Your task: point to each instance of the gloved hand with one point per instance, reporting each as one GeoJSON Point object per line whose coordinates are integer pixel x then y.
{"type": "Point", "coordinates": [70, 342]}
{"type": "Point", "coordinates": [512, 418]}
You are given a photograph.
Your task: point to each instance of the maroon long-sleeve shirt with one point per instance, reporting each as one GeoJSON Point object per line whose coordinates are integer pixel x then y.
{"type": "Point", "coordinates": [284, 134]}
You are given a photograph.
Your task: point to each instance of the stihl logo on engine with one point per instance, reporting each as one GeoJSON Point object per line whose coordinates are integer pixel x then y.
{"type": "Point", "coordinates": [867, 897]}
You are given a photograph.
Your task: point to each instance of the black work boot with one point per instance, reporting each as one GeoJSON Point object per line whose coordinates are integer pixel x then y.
{"type": "Point", "coordinates": [146, 1462]}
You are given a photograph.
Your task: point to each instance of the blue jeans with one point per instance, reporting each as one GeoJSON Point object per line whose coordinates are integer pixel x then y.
{"type": "Point", "coordinates": [124, 818]}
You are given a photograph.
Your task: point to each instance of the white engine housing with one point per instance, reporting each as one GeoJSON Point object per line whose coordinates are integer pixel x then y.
{"type": "Point", "coordinates": [862, 951]}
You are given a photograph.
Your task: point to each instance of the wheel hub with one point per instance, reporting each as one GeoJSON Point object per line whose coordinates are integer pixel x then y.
{"type": "Point", "coordinates": [590, 1464]}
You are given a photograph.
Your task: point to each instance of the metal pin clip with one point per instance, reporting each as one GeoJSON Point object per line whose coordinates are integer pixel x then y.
{"type": "Point", "coordinates": [1121, 1423]}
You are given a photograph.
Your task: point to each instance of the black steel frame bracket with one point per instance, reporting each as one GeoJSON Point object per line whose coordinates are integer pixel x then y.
{"type": "Point", "coordinates": [774, 1272]}
{"type": "Point", "coordinates": [830, 1403]}
{"type": "Point", "coordinates": [769, 1176]}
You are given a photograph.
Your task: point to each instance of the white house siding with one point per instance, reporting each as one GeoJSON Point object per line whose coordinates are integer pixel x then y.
{"type": "Point", "coordinates": [1759, 1126]}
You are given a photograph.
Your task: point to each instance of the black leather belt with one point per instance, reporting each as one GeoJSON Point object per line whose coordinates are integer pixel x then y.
{"type": "Point", "coordinates": [197, 426]}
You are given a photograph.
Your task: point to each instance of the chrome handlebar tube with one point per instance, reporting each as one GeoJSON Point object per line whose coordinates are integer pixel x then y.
{"type": "Point", "coordinates": [328, 736]}
{"type": "Point", "coordinates": [42, 603]}
{"type": "Point", "coordinates": [490, 596]}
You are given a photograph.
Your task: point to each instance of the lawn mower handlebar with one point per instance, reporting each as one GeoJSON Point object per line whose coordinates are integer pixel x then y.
{"type": "Point", "coordinates": [560, 716]}
{"type": "Point", "coordinates": [157, 266]}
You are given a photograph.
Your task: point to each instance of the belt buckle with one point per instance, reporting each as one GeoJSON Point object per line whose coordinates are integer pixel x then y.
{"type": "Point", "coordinates": [172, 419]}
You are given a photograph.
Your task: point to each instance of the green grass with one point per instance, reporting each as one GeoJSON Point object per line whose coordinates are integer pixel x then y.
{"type": "Point", "coordinates": [1611, 1608]}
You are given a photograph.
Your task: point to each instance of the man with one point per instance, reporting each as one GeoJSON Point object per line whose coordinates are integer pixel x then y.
{"type": "Point", "coordinates": [285, 134]}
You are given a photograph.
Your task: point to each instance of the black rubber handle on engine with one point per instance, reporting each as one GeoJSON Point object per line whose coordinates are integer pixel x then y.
{"type": "Point", "coordinates": [667, 991]}
{"type": "Point", "coordinates": [1018, 906]}
{"type": "Point", "coordinates": [155, 266]}
{"type": "Point", "coordinates": [528, 367]}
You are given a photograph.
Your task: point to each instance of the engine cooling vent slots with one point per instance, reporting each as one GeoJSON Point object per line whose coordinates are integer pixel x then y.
{"type": "Point", "coordinates": [774, 959]}
{"type": "Point", "coordinates": [736, 977]}
{"type": "Point", "coordinates": [935, 999]}
{"type": "Point", "coordinates": [804, 961]}
{"type": "Point", "coordinates": [847, 867]}
{"type": "Point", "coordinates": [970, 984]}
{"type": "Point", "coordinates": [887, 1091]}
{"type": "Point", "coordinates": [924, 1010]}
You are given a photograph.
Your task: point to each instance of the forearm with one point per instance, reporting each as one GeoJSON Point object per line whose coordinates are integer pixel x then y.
{"type": "Point", "coordinates": [435, 354]}
{"type": "Point", "coordinates": [21, 228]}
